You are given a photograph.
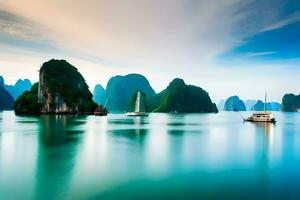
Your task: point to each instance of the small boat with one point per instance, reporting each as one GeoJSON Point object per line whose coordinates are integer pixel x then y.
{"type": "Point", "coordinates": [100, 111]}
{"type": "Point", "coordinates": [139, 106]}
{"type": "Point", "coordinates": [263, 116]}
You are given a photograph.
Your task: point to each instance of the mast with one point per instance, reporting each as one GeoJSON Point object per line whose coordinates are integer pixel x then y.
{"type": "Point", "coordinates": [265, 102]}
{"type": "Point", "coordinates": [137, 102]}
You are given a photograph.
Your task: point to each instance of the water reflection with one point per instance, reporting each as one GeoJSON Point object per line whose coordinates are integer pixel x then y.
{"type": "Point", "coordinates": [267, 131]}
{"type": "Point", "coordinates": [56, 155]}
{"type": "Point", "coordinates": [59, 129]}
{"type": "Point", "coordinates": [217, 155]}
{"type": "Point", "coordinates": [128, 120]}
{"type": "Point", "coordinates": [130, 133]}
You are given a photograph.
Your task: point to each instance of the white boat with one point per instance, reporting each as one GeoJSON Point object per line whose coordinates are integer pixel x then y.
{"type": "Point", "coordinates": [263, 116]}
{"type": "Point", "coordinates": [139, 107]}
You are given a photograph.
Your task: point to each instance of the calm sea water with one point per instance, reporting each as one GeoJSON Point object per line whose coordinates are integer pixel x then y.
{"type": "Point", "coordinates": [208, 156]}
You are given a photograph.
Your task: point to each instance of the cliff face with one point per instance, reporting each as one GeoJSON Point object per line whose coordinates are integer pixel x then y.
{"type": "Point", "coordinates": [50, 101]}
{"type": "Point", "coordinates": [62, 89]}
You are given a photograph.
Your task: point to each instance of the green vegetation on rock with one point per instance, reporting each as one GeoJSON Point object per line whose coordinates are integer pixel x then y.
{"type": "Point", "coordinates": [28, 103]}
{"type": "Point", "coordinates": [63, 89]}
{"type": "Point", "coordinates": [121, 89]}
{"type": "Point", "coordinates": [291, 103]}
{"type": "Point", "coordinates": [182, 98]}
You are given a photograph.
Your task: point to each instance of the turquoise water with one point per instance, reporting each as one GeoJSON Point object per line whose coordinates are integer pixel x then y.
{"type": "Point", "coordinates": [208, 156]}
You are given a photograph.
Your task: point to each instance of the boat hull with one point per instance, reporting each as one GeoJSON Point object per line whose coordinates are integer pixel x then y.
{"type": "Point", "coordinates": [136, 114]}
{"type": "Point", "coordinates": [100, 114]}
{"type": "Point", "coordinates": [272, 120]}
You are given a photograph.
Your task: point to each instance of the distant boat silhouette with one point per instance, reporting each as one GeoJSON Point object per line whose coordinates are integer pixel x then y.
{"type": "Point", "coordinates": [139, 106]}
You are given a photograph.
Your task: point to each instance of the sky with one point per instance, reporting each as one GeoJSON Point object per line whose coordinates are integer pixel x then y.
{"type": "Point", "coordinates": [227, 47]}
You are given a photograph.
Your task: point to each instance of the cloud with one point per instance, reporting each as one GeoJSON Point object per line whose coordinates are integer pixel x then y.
{"type": "Point", "coordinates": [145, 33]}
{"type": "Point", "coordinates": [140, 33]}
{"type": "Point", "coordinates": [293, 18]}
{"type": "Point", "coordinates": [257, 54]}
{"type": "Point", "coordinates": [165, 39]}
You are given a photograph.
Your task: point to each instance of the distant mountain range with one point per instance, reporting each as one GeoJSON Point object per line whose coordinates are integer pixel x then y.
{"type": "Point", "coordinates": [177, 97]}
{"type": "Point", "coordinates": [234, 103]}
{"type": "Point", "coordinates": [62, 89]}
{"type": "Point", "coordinates": [6, 99]}
{"type": "Point", "coordinates": [250, 103]}
{"type": "Point", "coordinates": [270, 106]}
{"type": "Point", "coordinates": [19, 87]}
{"type": "Point", "coordinates": [70, 94]}
{"type": "Point", "coordinates": [9, 93]}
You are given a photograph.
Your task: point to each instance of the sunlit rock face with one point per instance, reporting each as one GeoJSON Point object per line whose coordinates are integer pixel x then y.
{"type": "Point", "coordinates": [62, 89]}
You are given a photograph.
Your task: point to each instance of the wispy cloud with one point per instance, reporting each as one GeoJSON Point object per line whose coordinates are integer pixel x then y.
{"type": "Point", "coordinates": [257, 54]}
{"type": "Point", "coordinates": [293, 18]}
{"type": "Point", "coordinates": [19, 27]}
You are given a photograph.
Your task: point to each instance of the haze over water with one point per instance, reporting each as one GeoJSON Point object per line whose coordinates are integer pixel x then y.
{"type": "Point", "coordinates": [161, 156]}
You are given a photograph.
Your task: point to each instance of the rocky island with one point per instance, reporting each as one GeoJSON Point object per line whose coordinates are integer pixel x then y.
{"type": "Point", "coordinates": [234, 103]}
{"type": "Point", "coordinates": [61, 90]}
{"type": "Point", "coordinates": [121, 89]}
{"type": "Point", "coordinates": [182, 98]}
{"type": "Point", "coordinates": [291, 103]}
{"type": "Point", "coordinates": [99, 94]}
{"type": "Point", "coordinates": [270, 106]}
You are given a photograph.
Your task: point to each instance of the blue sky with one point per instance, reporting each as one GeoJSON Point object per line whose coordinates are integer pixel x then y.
{"type": "Point", "coordinates": [273, 45]}
{"type": "Point", "coordinates": [232, 47]}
